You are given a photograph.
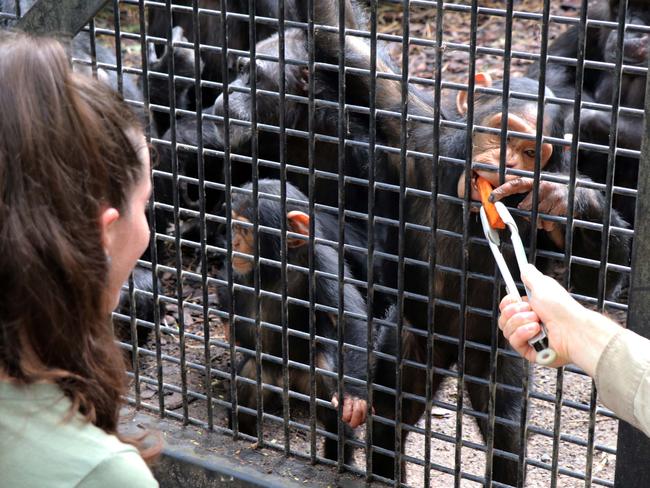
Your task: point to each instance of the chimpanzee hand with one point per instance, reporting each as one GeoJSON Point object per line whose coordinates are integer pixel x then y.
{"type": "Point", "coordinates": [553, 200]}
{"type": "Point", "coordinates": [354, 410]}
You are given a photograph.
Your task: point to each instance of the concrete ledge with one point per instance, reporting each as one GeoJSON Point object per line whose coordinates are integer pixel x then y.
{"type": "Point", "coordinates": [194, 457]}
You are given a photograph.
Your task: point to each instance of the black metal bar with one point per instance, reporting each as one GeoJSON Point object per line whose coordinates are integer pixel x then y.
{"type": "Point", "coordinates": [569, 231]}
{"type": "Point", "coordinates": [340, 321]}
{"type": "Point", "coordinates": [633, 448]}
{"type": "Point", "coordinates": [252, 36]}
{"type": "Point", "coordinates": [431, 325]}
{"type": "Point", "coordinates": [283, 226]}
{"type": "Point", "coordinates": [401, 243]}
{"type": "Point", "coordinates": [200, 162]}
{"type": "Point", "coordinates": [496, 293]}
{"type": "Point", "coordinates": [93, 46]}
{"type": "Point", "coordinates": [313, 450]}
{"type": "Point", "coordinates": [234, 422]}
{"type": "Point", "coordinates": [135, 364]}
{"type": "Point", "coordinates": [462, 316]}
{"type": "Point", "coordinates": [176, 199]}
{"type": "Point", "coordinates": [65, 17]}
{"type": "Point", "coordinates": [370, 300]}
{"type": "Point", "coordinates": [118, 46]}
{"type": "Point", "coordinates": [153, 248]}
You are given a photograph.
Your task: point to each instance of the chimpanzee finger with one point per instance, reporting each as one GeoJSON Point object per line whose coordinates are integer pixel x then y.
{"type": "Point", "coordinates": [358, 413]}
{"type": "Point", "coordinates": [348, 407]}
{"type": "Point", "coordinates": [517, 185]}
{"type": "Point", "coordinates": [335, 401]}
{"type": "Point", "coordinates": [526, 203]}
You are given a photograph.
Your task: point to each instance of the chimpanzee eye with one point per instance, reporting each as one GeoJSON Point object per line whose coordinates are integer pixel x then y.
{"type": "Point", "coordinates": [530, 153]}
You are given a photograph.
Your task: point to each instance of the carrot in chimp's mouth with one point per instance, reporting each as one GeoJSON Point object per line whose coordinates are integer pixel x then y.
{"type": "Point", "coordinates": [484, 189]}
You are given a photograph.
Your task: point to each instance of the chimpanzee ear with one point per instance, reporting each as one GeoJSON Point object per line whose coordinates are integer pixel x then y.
{"type": "Point", "coordinates": [481, 79]}
{"type": "Point", "coordinates": [299, 224]}
{"type": "Point", "coordinates": [303, 82]}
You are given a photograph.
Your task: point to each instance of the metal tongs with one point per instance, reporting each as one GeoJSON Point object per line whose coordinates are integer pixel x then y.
{"type": "Point", "coordinates": [545, 355]}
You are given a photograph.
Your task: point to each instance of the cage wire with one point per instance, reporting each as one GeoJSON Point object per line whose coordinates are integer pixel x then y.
{"type": "Point", "coordinates": [306, 247]}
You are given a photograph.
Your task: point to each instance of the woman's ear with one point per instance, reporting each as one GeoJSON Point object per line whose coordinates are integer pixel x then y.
{"type": "Point", "coordinates": [107, 218]}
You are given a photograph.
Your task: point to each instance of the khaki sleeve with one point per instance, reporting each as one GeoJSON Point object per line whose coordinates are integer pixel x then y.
{"type": "Point", "coordinates": [623, 378]}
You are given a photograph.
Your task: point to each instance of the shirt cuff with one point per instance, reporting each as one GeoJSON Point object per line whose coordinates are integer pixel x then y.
{"type": "Point", "coordinates": [620, 372]}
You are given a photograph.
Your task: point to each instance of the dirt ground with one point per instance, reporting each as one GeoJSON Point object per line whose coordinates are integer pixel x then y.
{"type": "Point", "coordinates": [574, 422]}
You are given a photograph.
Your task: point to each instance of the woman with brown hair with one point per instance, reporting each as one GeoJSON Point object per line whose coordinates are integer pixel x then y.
{"type": "Point", "coordinates": [74, 187]}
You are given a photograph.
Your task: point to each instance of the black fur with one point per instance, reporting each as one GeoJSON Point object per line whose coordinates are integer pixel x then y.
{"type": "Point", "coordinates": [326, 294]}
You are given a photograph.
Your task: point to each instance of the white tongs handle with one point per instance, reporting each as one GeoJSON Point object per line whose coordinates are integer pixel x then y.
{"type": "Point", "coordinates": [545, 355]}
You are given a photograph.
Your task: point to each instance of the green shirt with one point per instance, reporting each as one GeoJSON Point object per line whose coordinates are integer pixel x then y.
{"type": "Point", "coordinates": [39, 449]}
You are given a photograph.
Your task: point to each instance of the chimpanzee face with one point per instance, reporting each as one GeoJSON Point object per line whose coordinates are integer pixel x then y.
{"type": "Point", "coordinates": [242, 242]}
{"type": "Point", "coordinates": [520, 151]}
{"type": "Point", "coordinates": [267, 86]}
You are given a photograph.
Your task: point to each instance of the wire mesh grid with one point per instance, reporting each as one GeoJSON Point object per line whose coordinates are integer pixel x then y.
{"type": "Point", "coordinates": [315, 237]}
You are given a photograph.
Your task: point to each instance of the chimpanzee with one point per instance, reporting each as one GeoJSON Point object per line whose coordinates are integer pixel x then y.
{"type": "Point", "coordinates": [297, 117]}
{"type": "Point", "coordinates": [211, 31]}
{"type": "Point", "coordinates": [464, 302]}
{"type": "Point", "coordinates": [184, 66]}
{"type": "Point", "coordinates": [598, 83]}
{"type": "Point", "coordinates": [325, 124]}
{"type": "Point", "coordinates": [326, 261]}
{"type": "Point", "coordinates": [144, 306]}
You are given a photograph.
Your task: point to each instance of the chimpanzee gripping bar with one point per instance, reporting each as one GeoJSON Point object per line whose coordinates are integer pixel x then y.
{"type": "Point", "coordinates": [545, 355]}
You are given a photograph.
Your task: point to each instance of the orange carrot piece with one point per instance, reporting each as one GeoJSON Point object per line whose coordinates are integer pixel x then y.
{"type": "Point", "coordinates": [485, 188]}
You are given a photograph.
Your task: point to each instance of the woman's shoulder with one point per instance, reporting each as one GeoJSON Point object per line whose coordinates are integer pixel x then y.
{"type": "Point", "coordinates": [66, 452]}
{"type": "Point", "coordinates": [120, 469]}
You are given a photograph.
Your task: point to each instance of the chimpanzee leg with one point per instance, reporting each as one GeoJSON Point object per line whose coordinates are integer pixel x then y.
{"type": "Point", "coordinates": [329, 418]}
{"type": "Point", "coordinates": [247, 392]}
{"type": "Point", "coordinates": [413, 381]}
{"type": "Point", "coordinates": [508, 407]}
{"type": "Point", "coordinates": [383, 435]}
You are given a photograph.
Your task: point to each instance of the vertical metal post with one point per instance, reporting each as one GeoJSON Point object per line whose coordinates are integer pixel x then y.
{"type": "Point", "coordinates": [59, 16]}
{"type": "Point", "coordinates": [633, 448]}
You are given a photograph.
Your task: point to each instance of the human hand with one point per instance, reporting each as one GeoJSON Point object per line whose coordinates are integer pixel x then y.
{"type": "Point", "coordinates": [550, 304]}
{"type": "Point", "coordinates": [576, 334]}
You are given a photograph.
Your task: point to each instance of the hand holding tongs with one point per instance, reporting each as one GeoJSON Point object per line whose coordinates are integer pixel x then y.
{"type": "Point", "coordinates": [545, 355]}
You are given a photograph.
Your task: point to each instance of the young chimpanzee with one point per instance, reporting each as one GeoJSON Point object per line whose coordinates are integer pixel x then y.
{"type": "Point", "coordinates": [326, 261]}
{"type": "Point", "coordinates": [598, 86]}
{"type": "Point", "coordinates": [463, 301]}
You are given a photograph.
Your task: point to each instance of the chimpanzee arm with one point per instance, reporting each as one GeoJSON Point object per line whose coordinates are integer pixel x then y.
{"type": "Point", "coordinates": [590, 206]}
{"type": "Point", "coordinates": [355, 333]}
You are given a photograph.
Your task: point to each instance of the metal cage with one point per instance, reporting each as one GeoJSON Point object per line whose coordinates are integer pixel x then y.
{"type": "Point", "coordinates": [180, 64]}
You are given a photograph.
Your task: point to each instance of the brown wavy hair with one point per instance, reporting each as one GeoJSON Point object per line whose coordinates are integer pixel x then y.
{"type": "Point", "coordinates": [64, 155]}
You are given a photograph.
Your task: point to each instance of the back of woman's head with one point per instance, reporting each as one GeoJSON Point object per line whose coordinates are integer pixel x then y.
{"type": "Point", "coordinates": [64, 155]}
